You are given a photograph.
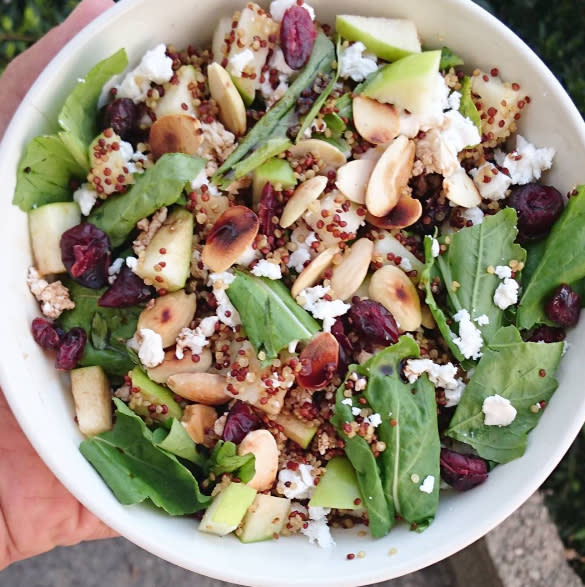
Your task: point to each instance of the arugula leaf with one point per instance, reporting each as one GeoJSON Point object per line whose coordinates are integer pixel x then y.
{"type": "Point", "coordinates": [135, 469]}
{"type": "Point", "coordinates": [44, 173]}
{"type": "Point", "coordinates": [267, 127]}
{"type": "Point", "coordinates": [176, 441]}
{"type": "Point", "coordinates": [449, 59]}
{"type": "Point", "coordinates": [512, 369]}
{"type": "Point", "coordinates": [224, 459]}
{"type": "Point", "coordinates": [562, 261]}
{"type": "Point", "coordinates": [107, 329]}
{"type": "Point", "coordinates": [467, 106]}
{"type": "Point", "coordinates": [271, 318]}
{"type": "Point", "coordinates": [160, 185]}
{"type": "Point", "coordinates": [78, 115]}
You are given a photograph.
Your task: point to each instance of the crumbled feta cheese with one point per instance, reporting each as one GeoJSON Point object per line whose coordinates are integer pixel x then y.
{"type": "Point", "coordinates": [506, 293]}
{"type": "Point", "coordinates": [53, 297]}
{"type": "Point", "coordinates": [355, 63]}
{"type": "Point", "coordinates": [439, 375]}
{"type": "Point", "coordinates": [267, 269]}
{"type": "Point", "coordinates": [114, 269]}
{"type": "Point", "coordinates": [298, 484]}
{"type": "Point", "coordinates": [435, 248]}
{"type": "Point", "coordinates": [317, 529]}
{"type": "Point", "coordinates": [347, 401]}
{"type": "Point", "coordinates": [311, 300]}
{"type": "Point", "coordinates": [150, 348]}
{"type": "Point", "coordinates": [503, 271]}
{"type": "Point", "coordinates": [85, 197]}
{"type": "Point", "coordinates": [454, 100]}
{"type": "Point", "coordinates": [498, 411]}
{"type": "Point", "coordinates": [527, 162]}
{"type": "Point", "coordinates": [360, 384]}
{"type": "Point", "coordinates": [225, 310]}
{"type": "Point", "coordinates": [279, 7]}
{"type": "Point", "coordinates": [453, 396]}
{"type": "Point", "coordinates": [250, 255]}
{"type": "Point", "coordinates": [469, 340]}
{"type": "Point", "coordinates": [303, 252]}
{"type": "Point", "coordinates": [155, 67]}
{"type": "Point", "coordinates": [195, 340]}
{"type": "Point", "coordinates": [459, 132]}
{"type": "Point", "coordinates": [474, 215]}
{"type": "Point", "coordinates": [491, 183]}
{"type": "Point", "coordinates": [405, 264]}
{"type": "Point", "coordinates": [482, 320]}
{"type": "Point", "coordinates": [238, 61]}
{"type": "Point", "coordinates": [356, 411]}
{"type": "Point", "coordinates": [202, 180]}
{"type": "Point", "coordinates": [131, 262]}
{"type": "Point", "coordinates": [428, 484]}
{"type": "Point", "coordinates": [375, 420]}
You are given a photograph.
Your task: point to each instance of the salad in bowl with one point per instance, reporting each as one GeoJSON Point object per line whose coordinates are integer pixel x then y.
{"type": "Point", "coordinates": [307, 277]}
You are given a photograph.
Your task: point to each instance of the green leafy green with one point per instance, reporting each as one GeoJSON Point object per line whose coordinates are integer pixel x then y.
{"type": "Point", "coordinates": [135, 469]}
{"type": "Point", "coordinates": [271, 318]}
{"type": "Point", "coordinates": [160, 185]}
{"type": "Point", "coordinates": [176, 441]}
{"type": "Point", "coordinates": [522, 372]}
{"type": "Point", "coordinates": [270, 148]}
{"type": "Point", "coordinates": [224, 459]}
{"type": "Point", "coordinates": [334, 123]}
{"type": "Point", "coordinates": [561, 262]}
{"type": "Point", "coordinates": [449, 59]}
{"type": "Point", "coordinates": [467, 107]}
{"type": "Point", "coordinates": [269, 125]}
{"type": "Point", "coordinates": [344, 105]}
{"type": "Point", "coordinates": [99, 332]}
{"type": "Point", "coordinates": [44, 173]}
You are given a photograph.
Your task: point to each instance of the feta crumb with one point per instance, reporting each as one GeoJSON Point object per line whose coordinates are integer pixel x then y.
{"type": "Point", "coordinates": [355, 63]}
{"type": "Point", "coordinates": [469, 340]}
{"type": "Point", "coordinates": [302, 254]}
{"type": "Point", "coordinates": [405, 264]}
{"type": "Point", "coordinates": [150, 348]}
{"type": "Point", "coordinates": [225, 311]}
{"type": "Point", "coordinates": [85, 197]}
{"type": "Point", "coordinates": [202, 180]}
{"type": "Point", "coordinates": [298, 484]}
{"type": "Point", "coordinates": [131, 262]}
{"type": "Point", "coordinates": [439, 375]}
{"type": "Point", "coordinates": [453, 396]}
{"type": "Point", "coordinates": [428, 484]}
{"type": "Point", "coordinates": [482, 320]}
{"type": "Point", "coordinates": [347, 401]}
{"type": "Point", "coordinates": [317, 529]}
{"type": "Point", "coordinates": [527, 162]}
{"type": "Point", "coordinates": [503, 271]}
{"type": "Point", "coordinates": [506, 294]}
{"type": "Point", "coordinates": [454, 100]}
{"type": "Point", "coordinates": [114, 269]}
{"type": "Point", "coordinates": [238, 61]}
{"type": "Point", "coordinates": [435, 248]}
{"type": "Point", "coordinates": [498, 411]}
{"type": "Point", "coordinates": [475, 215]}
{"type": "Point", "coordinates": [491, 183]}
{"type": "Point", "coordinates": [279, 7]}
{"type": "Point", "coordinates": [459, 132]}
{"type": "Point", "coordinates": [267, 269]}
{"type": "Point", "coordinates": [375, 420]}
{"type": "Point", "coordinates": [195, 340]}
{"type": "Point", "coordinates": [311, 300]}
{"type": "Point", "coordinates": [356, 411]}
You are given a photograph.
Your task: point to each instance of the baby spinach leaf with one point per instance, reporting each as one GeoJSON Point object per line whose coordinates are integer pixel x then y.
{"type": "Point", "coordinates": [271, 318]}
{"type": "Point", "coordinates": [135, 469]}
{"type": "Point", "coordinates": [99, 332]}
{"type": "Point", "coordinates": [160, 185]}
{"type": "Point", "coordinates": [176, 441]}
{"type": "Point", "coordinates": [562, 261]}
{"type": "Point", "coordinates": [522, 372]}
{"type": "Point", "coordinates": [467, 106]}
{"type": "Point", "coordinates": [449, 59]}
{"type": "Point", "coordinates": [224, 459]}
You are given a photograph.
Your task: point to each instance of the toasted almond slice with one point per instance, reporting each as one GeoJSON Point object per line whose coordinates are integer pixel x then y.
{"type": "Point", "coordinates": [175, 133]}
{"type": "Point", "coordinates": [197, 419]}
{"type": "Point", "coordinates": [460, 189]}
{"type": "Point", "coordinates": [306, 193]}
{"type": "Point", "coordinates": [329, 156]}
{"type": "Point", "coordinates": [353, 177]}
{"type": "Point", "coordinates": [232, 110]}
{"type": "Point", "coordinates": [313, 271]}
{"type": "Point", "coordinates": [172, 366]}
{"type": "Point", "coordinates": [204, 388]}
{"type": "Point", "coordinates": [319, 359]}
{"type": "Point", "coordinates": [392, 288]}
{"type": "Point", "coordinates": [376, 122]}
{"type": "Point", "coordinates": [390, 176]}
{"type": "Point", "coordinates": [406, 212]}
{"type": "Point", "coordinates": [265, 450]}
{"type": "Point", "coordinates": [350, 273]}
{"type": "Point", "coordinates": [231, 235]}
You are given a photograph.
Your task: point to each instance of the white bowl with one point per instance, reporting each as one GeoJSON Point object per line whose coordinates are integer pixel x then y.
{"type": "Point", "coordinates": [40, 397]}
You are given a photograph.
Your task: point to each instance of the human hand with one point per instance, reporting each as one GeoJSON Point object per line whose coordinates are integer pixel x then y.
{"type": "Point", "coordinates": [36, 512]}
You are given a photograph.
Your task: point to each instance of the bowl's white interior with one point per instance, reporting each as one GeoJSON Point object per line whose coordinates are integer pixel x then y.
{"type": "Point", "coordinates": [40, 398]}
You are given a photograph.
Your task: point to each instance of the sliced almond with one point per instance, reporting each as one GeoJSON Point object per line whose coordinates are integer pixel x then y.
{"type": "Point", "coordinates": [319, 361]}
{"type": "Point", "coordinates": [392, 288]}
{"type": "Point", "coordinates": [172, 366]}
{"type": "Point", "coordinates": [351, 272]}
{"type": "Point", "coordinates": [376, 122]}
{"type": "Point", "coordinates": [406, 212]}
{"type": "Point", "coordinates": [353, 177]}
{"type": "Point", "coordinates": [231, 235]}
{"type": "Point", "coordinates": [175, 133]}
{"type": "Point", "coordinates": [232, 110]}
{"type": "Point", "coordinates": [203, 388]}
{"type": "Point", "coordinates": [460, 189]}
{"type": "Point", "coordinates": [306, 193]}
{"type": "Point", "coordinates": [197, 420]}
{"type": "Point", "coordinates": [390, 176]}
{"type": "Point", "coordinates": [313, 271]}
{"type": "Point", "coordinates": [265, 450]}
{"type": "Point", "coordinates": [330, 157]}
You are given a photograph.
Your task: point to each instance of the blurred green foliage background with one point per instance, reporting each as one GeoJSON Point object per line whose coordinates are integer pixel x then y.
{"type": "Point", "coordinates": [556, 31]}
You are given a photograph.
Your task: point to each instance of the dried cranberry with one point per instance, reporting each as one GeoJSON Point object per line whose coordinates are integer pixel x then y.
{"type": "Point", "coordinates": [319, 361]}
{"type": "Point", "coordinates": [45, 334]}
{"type": "Point", "coordinates": [564, 306]}
{"type": "Point", "coordinates": [122, 117]}
{"type": "Point", "coordinates": [462, 472]}
{"type": "Point", "coordinates": [267, 210]}
{"type": "Point", "coordinates": [297, 36]}
{"type": "Point", "coordinates": [240, 420]}
{"type": "Point", "coordinates": [71, 349]}
{"type": "Point", "coordinates": [547, 334]}
{"type": "Point", "coordinates": [126, 291]}
{"type": "Point", "coordinates": [345, 346]}
{"type": "Point", "coordinates": [85, 252]}
{"type": "Point", "coordinates": [372, 322]}
{"type": "Point", "coordinates": [538, 208]}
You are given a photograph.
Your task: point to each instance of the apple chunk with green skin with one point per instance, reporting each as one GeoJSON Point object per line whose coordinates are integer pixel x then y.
{"type": "Point", "coordinates": [409, 83]}
{"type": "Point", "coordinates": [388, 38]}
{"type": "Point", "coordinates": [153, 394]}
{"type": "Point", "coordinates": [338, 487]}
{"type": "Point", "coordinates": [277, 172]}
{"type": "Point", "coordinates": [300, 432]}
{"type": "Point", "coordinates": [170, 268]}
{"type": "Point", "coordinates": [265, 518]}
{"type": "Point", "coordinates": [227, 509]}
{"type": "Point", "coordinates": [93, 400]}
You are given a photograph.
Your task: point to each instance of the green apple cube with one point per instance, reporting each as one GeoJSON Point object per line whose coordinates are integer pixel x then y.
{"type": "Point", "coordinates": [93, 400]}
{"type": "Point", "coordinates": [154, 394]}
{"type": "Point", "coordinates": [338, 488]}
{"type": "Point", "coordinates": [46, 225]}
{"type": "Point", "coordinates": [300, 432]}
{"type": "Point", "coordinates": [409, 83]}
{"type": "Point", "coordinates": [387, 38]}
{"type": "Point", "coordinates": [277, 172]}
{"type": "Point", "coordinates": [178, 94]}
{"type": "Point", "coordinates": [265, 518]}
{"type": "Point", "coordinates": [227, 509]}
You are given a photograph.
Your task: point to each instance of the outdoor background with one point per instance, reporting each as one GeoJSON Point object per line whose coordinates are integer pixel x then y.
{"type": "Point", "coordinates": [556, 31]}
